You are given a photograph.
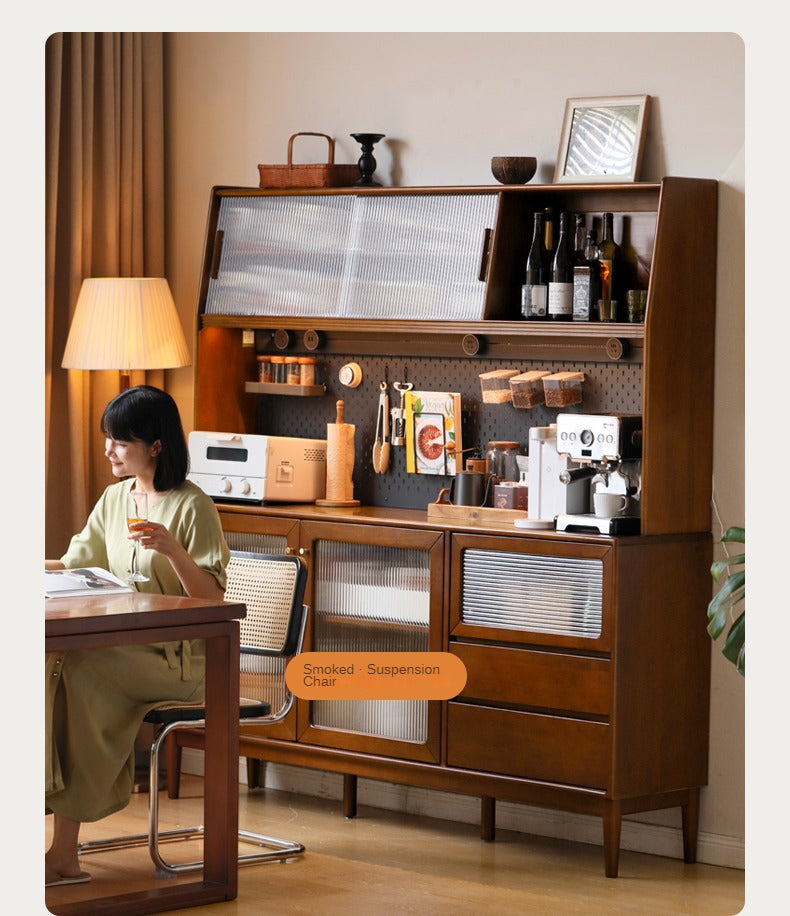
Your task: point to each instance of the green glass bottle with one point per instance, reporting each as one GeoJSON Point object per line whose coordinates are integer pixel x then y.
{"type": "Point", "coordinates": [534, 290]}
{"type": "Point", "coordinates": [561, 276]}
{"type": "Point", "coordinates": [609, 256]}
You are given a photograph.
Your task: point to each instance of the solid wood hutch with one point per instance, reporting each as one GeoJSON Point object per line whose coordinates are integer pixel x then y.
{"type": "Point", "coordinates": [598, 704]}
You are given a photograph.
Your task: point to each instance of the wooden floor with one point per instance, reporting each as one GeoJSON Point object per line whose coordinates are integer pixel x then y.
{"type": "Point", "coordinates": [383, 862]}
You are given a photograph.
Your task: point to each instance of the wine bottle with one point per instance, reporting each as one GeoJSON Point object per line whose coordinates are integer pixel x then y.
{"type": "Point", "coordinates": [579, 236]}
{"type": "Point", "coordinates": [608, 255]}
{"type": "Point", "coordinates": [548, 237]}
{"type": "Point", "coordinates": [586, 279]}
{"type": "Point", "coordinates": [591, 245]}
{"type": "Point", "coordinates": [533, 289]}
{"type": "Point", "coordinates": [561, 276]}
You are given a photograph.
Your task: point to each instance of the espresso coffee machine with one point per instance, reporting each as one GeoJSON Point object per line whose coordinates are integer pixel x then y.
{"type": "Point", "coordinates": [606, 450]}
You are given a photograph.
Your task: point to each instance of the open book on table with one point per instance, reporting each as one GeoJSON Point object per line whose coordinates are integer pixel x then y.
{"type": "Point", "coordinates": [74, 583]}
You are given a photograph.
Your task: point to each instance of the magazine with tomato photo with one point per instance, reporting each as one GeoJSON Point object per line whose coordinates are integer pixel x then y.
{"type": "Point", "coordinates": [433, 431]}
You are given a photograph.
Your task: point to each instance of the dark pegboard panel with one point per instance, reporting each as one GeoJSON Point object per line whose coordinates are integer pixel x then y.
{"type": "Point", "coordinates": [609, 387]}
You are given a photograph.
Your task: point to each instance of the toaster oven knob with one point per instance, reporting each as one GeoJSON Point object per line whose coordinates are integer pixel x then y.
{"type": "Point", "coordinates": [226, 485]}
{"type": "Point", "coordinates": [245, 487]}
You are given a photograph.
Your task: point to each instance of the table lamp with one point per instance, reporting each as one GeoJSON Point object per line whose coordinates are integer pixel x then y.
{"type": "Point", "coordinates": [125, 323]}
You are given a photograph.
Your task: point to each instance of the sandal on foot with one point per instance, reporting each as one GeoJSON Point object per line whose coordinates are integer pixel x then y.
{"type": "Point", "coordinates": [53, 878]}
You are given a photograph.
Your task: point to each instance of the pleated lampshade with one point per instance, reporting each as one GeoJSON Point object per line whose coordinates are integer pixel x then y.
{"type": "Point", "coordinates": [125, 323]}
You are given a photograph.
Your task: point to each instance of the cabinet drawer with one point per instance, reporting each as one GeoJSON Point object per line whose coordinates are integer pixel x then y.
{"type": "Point", "coordinates": [521, 590]}
{"type": "Point", "coordinates": [551, 680]}
{"type": "Point", "coordinates": [527, 745]}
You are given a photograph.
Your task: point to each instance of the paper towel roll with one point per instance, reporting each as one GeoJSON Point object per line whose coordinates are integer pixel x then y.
{"type": "Point", "coordinates": [339, 462]}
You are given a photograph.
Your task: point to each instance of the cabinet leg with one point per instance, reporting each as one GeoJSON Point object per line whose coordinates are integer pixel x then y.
{"type": "Point", "coordinates": [612, 825]}
{"type": "Point", "coordinates": [349, 795]}
{"type": "Point", "coordinates": [487, 819]}
{"type": "Point", "coordinates": [690, 814]}
{"type": "Point", "coordinates": [255, 777]}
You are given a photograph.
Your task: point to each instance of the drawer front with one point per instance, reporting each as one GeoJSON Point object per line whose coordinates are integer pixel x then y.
{"type": "Point", "coordinates": [527, 745]}
{"type": "Point", "coordinates": [530, 592]}
{"type": "Point", "coordinates": [549, 680]}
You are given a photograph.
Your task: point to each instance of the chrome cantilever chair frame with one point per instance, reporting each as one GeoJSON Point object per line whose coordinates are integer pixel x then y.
{"type": "Point", "coordinates": [263, 634]}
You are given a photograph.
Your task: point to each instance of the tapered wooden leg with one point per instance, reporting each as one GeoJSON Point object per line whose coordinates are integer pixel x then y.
{"type": "Point", "coordinates": [612, 825]}
{"type": "Point", "coordinates": [690, 814]}
{"type": "Point", "coordinates": [255, 777]}
{"type": "Point", "coordinates": [487, 819]}
{"type": "Point", "coordinates": [349, 795]}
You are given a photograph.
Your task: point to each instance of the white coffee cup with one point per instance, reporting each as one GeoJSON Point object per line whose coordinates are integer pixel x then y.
{"type": "Point", "coordinates": [609, 504]}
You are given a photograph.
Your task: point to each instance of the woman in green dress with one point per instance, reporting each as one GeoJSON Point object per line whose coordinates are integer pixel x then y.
{"type": "Point", "coordinates": [96, 699]}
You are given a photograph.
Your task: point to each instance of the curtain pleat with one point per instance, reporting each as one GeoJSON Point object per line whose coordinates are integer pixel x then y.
{"type": "Point", "coordinates": [104, 218]}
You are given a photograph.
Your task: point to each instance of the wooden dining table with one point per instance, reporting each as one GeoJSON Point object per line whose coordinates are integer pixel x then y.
{"type": "Point", "coordinates": [133, 618]}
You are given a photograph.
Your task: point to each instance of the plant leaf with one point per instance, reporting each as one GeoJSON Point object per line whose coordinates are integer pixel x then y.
{"type": "Point", "coordinates": [732, 591]}
{"type": "Point", "coordinates": [735, 533]}
{"type": "Point", "coordinates": [719, 612]}
{"type": "Point", "coordinates": [718, 567]}
{"type": "Point", "coordinates": [734, 646]}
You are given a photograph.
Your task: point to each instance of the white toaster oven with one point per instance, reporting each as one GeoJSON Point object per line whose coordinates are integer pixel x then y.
{"type": "Point", "coordinates": [236, 467]}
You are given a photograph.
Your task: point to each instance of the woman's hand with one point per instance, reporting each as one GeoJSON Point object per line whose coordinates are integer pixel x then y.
{"type": "Point", "coordinates": [197, 582]}
{"type": "Point", "coordinates": [153, 536]}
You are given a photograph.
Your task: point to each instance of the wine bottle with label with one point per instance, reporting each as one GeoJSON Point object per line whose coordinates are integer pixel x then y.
{"type": "Point", "coordinates": [534, 290]}
{"type": "Point", "coordinates": [561, 276]}
{"type": "Point", "coordinates": [586, 280]}
{"type": "Point", "coordinates": [609, 256]}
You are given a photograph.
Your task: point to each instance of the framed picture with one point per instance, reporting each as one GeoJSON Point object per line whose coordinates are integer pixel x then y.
{"type": "Point", "coordinates": [602, 139]}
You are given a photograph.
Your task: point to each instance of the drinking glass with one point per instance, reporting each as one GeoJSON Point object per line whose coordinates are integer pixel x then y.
{"type": "Point", "coordinates": [136, 511]}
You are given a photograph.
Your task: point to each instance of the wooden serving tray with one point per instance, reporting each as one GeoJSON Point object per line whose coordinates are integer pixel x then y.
{"type": "Point", "coordinates": [486, 514]}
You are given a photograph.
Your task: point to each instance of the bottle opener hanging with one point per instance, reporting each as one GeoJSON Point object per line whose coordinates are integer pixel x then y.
{"type": "Point", "coordinates": [398, 414]}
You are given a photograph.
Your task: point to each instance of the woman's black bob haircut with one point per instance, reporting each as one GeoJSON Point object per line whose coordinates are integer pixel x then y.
{"type": "Point", "coordinates": [145, 414]}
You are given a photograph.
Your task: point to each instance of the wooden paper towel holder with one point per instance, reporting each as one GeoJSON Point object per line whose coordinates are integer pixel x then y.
{"type": "Point", "coordinates": [339, 462]}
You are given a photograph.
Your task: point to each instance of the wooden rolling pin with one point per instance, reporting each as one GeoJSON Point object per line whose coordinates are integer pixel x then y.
{"type": "Point", "coordinates": [339, 462]}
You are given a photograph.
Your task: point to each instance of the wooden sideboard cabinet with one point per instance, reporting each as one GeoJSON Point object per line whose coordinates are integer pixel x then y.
{"type": "Point", "coordinates": [587, 656]}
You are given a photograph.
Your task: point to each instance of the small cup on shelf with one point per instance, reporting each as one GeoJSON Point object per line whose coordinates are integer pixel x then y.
{"type": "Point", "coordinates": [607, 310]}
{"type": "Point", "coordinates": [636, 300]}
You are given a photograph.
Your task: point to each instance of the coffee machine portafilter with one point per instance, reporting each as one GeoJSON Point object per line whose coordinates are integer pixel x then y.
{"type": "Point", "coordinates": [607, 449]}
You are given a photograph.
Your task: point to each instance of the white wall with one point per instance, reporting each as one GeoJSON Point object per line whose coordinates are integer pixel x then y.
{"type": "Point", "coordinates": [447, 103]}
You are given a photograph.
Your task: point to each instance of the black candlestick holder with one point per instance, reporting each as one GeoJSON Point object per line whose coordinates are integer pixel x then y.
{"type": "Point", "coordinates": [367, 162]}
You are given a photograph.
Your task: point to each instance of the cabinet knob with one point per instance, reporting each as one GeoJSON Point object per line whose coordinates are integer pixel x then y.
{"type": "Point", "coordinates": [300, 551]}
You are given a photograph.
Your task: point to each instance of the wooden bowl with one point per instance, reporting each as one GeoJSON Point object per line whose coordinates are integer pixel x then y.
{"type": "Point", "coordinates": [513, 169]}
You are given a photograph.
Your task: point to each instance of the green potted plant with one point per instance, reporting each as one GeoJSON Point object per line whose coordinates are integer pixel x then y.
{"type": "Point", "coordinates": [731, 593]}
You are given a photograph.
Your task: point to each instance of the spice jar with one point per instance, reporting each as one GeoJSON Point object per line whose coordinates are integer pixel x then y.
{"type": "Point", "coordinates": [501, 457]}
{"type": "Point", "coordinates": [292, 370]}
{"type": "Point", "coordinates": [306, 370]}
{"type": "Point", "coordinates": [278, 369]}
{"type": "Point", "coordinates": [265, 369]}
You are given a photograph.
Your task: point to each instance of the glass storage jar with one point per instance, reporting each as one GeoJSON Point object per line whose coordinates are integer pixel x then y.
{"type": "Point", "coordinates": [501, 458]}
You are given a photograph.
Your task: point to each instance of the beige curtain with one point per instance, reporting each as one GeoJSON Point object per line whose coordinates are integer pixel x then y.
{"type": "Point", "coordinates": [104, 218]}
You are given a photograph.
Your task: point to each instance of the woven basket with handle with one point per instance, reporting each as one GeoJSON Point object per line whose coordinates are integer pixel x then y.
{"type": "Point", "coordinates": [311, 175]}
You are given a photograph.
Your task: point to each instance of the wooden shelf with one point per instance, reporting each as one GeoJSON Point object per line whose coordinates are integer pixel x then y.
{"type": "Point", "coordinates": [528, 339]}
{"type": "Point", "coordinates": [299, 391]}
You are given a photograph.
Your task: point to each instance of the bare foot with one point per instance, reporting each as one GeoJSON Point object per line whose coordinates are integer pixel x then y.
{"type": "Point", "coordinates": [61, 869]}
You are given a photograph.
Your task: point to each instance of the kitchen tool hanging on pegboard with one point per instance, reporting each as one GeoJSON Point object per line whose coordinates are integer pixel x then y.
{"type": "Point", "coordinates": [608, 388]}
